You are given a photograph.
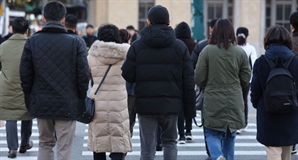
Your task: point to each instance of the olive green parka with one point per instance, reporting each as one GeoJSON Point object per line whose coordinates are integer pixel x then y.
{"type": "Point", "coordinates": [223, 72]}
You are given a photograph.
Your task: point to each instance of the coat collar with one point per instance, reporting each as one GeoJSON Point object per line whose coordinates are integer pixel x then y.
{"type": "Point", "coordinates": [18, 36]}
{"type": "Point", "coordinates": [53, 27]}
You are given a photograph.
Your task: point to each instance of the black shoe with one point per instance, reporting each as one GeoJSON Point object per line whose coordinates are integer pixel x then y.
{"type": "Point", "coordinates": [181, 140]}
{"type": "Point", "coordinates": [158, 147]}
{"type": "Point", "coordinates": [12, 154]}
{"type": "Point", "coordinates": [23, 149]}
{"type": "Point", "coordinates": [188, 136]}
{"type": "Point", "coordinates": [294, 150]}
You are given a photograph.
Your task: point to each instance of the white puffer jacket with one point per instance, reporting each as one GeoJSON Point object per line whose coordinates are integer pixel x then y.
{"type": "Point", "coordinates": [109, 130]}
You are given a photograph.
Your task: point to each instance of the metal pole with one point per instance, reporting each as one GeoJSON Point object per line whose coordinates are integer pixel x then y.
{"type": "Point", "coordinates": [4, 22]}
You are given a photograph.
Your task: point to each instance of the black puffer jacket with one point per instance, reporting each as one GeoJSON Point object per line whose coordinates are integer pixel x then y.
{"type": "Point", "coordinates": [54, 73]}
{"type": "Point", "coordinates": [183, 32]}
{"type": "Point", "coordinates": [160, 65]}
{"type": "Point", "coordinates": [196, 52]}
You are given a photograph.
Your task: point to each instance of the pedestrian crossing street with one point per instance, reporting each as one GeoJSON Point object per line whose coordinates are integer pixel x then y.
{"type": "Point", "coordinates": [246, 145]}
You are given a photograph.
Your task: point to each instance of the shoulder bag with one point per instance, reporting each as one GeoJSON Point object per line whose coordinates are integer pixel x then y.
{"type": "Point", "coordinates": [87, 116]}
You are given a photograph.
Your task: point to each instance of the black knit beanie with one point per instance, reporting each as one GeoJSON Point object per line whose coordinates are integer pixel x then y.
{"type": "Point", "coordinates": [158, 15]}
{"type": "Point", "coordinates": [294, 20]}
{"type": "Point", "coordinates": [182, 30]}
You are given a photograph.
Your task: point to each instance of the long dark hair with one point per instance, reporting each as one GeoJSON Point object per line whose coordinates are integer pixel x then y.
{"type": "Point", "coordinates": [278, 34]}
{"type": "Point", "coordinates": [223, 33]}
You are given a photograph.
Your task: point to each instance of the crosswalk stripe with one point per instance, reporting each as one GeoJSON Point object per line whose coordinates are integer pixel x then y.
{"type": "Point", "coordinates": [199, 123]}
{"type": "Point", "coordinates": [196, 130]}
{"type": "Point", "coordinates": [35, 142]}
{"type": "Point", "coordinates": [201, 145]}
{"type": "Point", "coordinates": [187, 153]}
{"type": "Point", "coordinates": [21, 157]}
{"type": "Point", "coordinates": [19, 134]}
{"type": "Point", "coordinates": [242, 137]}
{"type": "Point", "coordinates": [33, 149]}
{"type": "Point", "coordinates": [19, 127]}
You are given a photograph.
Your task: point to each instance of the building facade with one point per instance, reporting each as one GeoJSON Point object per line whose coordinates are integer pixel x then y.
{"type": "Point", "coordinates": [134, 12]}
{"type": "Point", "coordinates": [256, 15]}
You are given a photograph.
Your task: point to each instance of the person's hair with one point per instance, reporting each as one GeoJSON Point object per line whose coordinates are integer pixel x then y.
{"type": "Point", "coordinates": [130, 27]}
{"type": "Point", "coordinates": [294, 19]}
{"type": "Point", "coordinates": [54, 11]}
{"type": "Point", "coordinates": [242, 34]}
{"type": "Point", "coordinates": [108, 33]}
{"type": "Point", "coordinates": [71, 21]}
{"type": "Point", "coordinates": [241, 40]}
{"type": "Point", "coordinates": [124, 35]}
{"type": "Point", "coordinates": [20, 25]}
{"type": "Point", "coordinates": [278, 34]}
{"type": "Point", "coordinates": [223, 33]}
{"type": "Point", "coordinates": [89, 26]}
{"type": "Point", "coordinates": [213, 21]}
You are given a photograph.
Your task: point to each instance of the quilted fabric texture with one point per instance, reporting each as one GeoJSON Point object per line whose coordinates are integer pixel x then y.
{"type": "Point", "coordinates": [109, 130]}
{"type": "Point", "coordinates": [54, 73]}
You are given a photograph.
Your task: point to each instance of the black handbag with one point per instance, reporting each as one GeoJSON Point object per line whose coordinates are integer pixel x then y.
{"type": "Point", "coordinates": [88, 114]}
{"type": "Point", "coordinates": [199, 98]}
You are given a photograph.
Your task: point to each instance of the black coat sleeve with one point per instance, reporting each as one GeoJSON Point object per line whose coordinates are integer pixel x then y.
{"type": "Point", "coordinates": [188, 87]}
{"type": "Point", "coordinates": [129, 66]}
{"type": "Point", "coordinates": [256, 88]}
{"type": "Point", "coordinates": [83, 72]}
{"type": "Point", "coordinates": [196, 52]}
{"type": "Point", "coordinates": [27, 72]}
{"type": "Point", "coordinates": [194, 55]}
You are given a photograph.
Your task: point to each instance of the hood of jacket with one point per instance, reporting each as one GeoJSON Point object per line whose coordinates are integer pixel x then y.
{"type": "Point", "coordinates": [109, 52]}
{"type": "Point", "coordinates": [277, 50]}
{"type": "Point", "coordinates": [183, 31]}
{"type": "Point", "coordinates": [158, 36]}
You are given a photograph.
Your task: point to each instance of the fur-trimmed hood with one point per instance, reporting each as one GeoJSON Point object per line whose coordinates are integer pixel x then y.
{"type": "Point", "coordinates": [109, 52]}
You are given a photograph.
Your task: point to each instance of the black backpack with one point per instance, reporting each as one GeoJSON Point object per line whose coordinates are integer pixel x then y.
{"type": "Point", "coordinates": [280, 95]}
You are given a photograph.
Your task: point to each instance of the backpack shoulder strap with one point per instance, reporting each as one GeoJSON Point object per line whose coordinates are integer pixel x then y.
{"type": "Point", "coordinates": [288, 62]}
{"type": "Point", "coordinates": [270, 62]}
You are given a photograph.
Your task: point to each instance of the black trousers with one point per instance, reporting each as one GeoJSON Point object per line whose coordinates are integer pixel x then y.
{"type": "Point", "coordinates": [113, 156]}
{"type": "Point", "coordinates": [181, 127]}
{"type": "Point", "coordinates": [131, 112]}
{"type": "Point", "coordinates": [245, 91]}
{"type": "Point", "coordinates": [157, 134]}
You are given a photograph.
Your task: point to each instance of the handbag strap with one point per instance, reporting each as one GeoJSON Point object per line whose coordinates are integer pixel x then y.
{"type": "Point", "coordinates": [104, 77]}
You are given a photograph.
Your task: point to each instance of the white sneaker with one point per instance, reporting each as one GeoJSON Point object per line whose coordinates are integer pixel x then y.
{"type": "Point", "coordinates": [244, 129]}
{"type": "Point", "coordinates": [238, 131]}
{"type": "Point", "coordinates": [221, 158]}
{"type": "Point", "coordinates": [181, 140]}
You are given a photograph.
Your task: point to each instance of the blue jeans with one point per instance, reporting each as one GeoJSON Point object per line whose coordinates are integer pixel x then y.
{"type": "Point", "coordinates": [220, 143]}
{"type": "Point", "coordinates": [168, 125]}
{"type": "Point", "coordinates": [12, 134]}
